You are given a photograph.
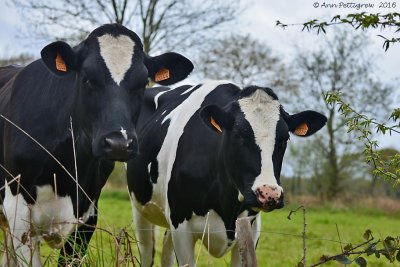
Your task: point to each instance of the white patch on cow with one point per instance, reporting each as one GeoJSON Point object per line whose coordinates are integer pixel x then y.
{"type": "Point", "coordinates": [18, 214]}
{"type": "Point", "coordinates": [188, 90]}
{"type": "Point", "coordinates": [117, 53]}
{"type": "Point", "coordinates": [262, 112]}
{"type": "Point", "coordinates": [163, 112]}
{"type": "Point", "coordinates": [215, 241]}
{"type": "Point", "coordinates": [123, 132]}
{"type": "Point", "coordinates": [188, 232]}
{"type": "Point", "coordinates": [52, 214]}
{"type": "Point", "coordinates": [50, 218]}
{"type": "Point", "coordinates": [160, 94]}
{"type": "Point", "coordinates": [149, 167]}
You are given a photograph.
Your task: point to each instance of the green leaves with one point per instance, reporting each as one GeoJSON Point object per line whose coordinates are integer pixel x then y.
{"type": "Point", "coordinates": [389, 248]}
{"type": "Point", "coordinates": [367, 234]}
{"type": "Point", "coordinates": [361, 261]}
{"type": "Point", "coordinates": [387, 167]}
{"type": "Point", "coordinates": [361, 21]}
{"type": "Point", "coordinates": [348, 247]}
{"type": "Point", "coordinates": [342, 259]}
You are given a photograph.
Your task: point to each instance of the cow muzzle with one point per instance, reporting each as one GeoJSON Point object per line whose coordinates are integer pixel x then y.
{"type": "Point", "coordinates": [270, 197]}
{"type": "Point", "coordinates": [117, 147]}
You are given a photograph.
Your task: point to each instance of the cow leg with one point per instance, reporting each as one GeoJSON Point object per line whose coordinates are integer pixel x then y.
{"type": "Point", "coordinates": [145, 237]}
{"type": "Point", "coordinates": [235, 255]}
{"type": "Point", "coordinates": [168, 253]}
{"type": "Point", "coordinates": [73, 251]}
{"type": "Point", "coordinates": [183, 242]}
{"type": "Point", "coordinates": [22, 246]}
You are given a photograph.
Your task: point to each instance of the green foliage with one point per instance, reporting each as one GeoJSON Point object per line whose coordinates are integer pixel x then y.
{"type": "Point", "coordinates": [385, 167]}
{"type": "Point", "coordinates": [361, 21]}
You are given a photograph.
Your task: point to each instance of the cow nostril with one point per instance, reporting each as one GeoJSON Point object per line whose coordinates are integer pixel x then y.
{"type": "Point", "coordinates": [118, 144]}
{"type": "Point", "coordinates": [109, 142]}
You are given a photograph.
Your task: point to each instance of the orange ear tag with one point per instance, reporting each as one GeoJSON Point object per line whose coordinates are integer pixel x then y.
{"type": "Point", "coordinates": [301, 130]}
{"type": "Point", "coordinates": [60, 64]}
{"type": "Point", "coordinates": [161, 75]}
{"type": "Point", "coordinates": [215, 124]}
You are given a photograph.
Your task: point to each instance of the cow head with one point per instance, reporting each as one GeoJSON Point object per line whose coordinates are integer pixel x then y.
{"type": "Point", "coordinates": [255, 131]}
{"type": "Point", "coordinates": [112, 72]}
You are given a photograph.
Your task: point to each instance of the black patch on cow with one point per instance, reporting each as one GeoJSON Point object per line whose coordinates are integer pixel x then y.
{"type": "Point", "coordinates": [247, 91]}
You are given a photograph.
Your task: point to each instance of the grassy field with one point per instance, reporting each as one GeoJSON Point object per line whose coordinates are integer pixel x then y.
{"type": "Point", "coordinates": [280, 243]}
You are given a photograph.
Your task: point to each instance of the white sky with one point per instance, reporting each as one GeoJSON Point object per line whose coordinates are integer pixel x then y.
{"type": "Point", "coordinates": [259, 20]}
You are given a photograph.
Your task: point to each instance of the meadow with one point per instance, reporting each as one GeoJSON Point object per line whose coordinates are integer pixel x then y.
{"type": "Point", "coordinates": [280, 243]}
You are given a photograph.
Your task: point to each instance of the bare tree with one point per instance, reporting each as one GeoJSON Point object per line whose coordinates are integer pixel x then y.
{"type": "Point", "coordinates": [341, 64]}
{"type": "Point", "coordinates": [160, 23]}
{"type": "Point", "coordinates": [246, 61]}
{"type": "Point", "coordinates": [22, 59]}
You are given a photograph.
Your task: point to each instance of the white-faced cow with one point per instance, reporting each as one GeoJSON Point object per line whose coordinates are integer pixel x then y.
{"type": "Point", "coordinates": [211, 153]}
{"type": "Point", "coordinates": [98, 86]}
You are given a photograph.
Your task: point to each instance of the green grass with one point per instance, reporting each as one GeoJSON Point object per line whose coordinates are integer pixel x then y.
{"type": "Point", "coordinates": [280, 243]}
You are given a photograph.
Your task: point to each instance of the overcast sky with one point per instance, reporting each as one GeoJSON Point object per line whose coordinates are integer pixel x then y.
{"type": "Point", "coordinates": [259, 20]}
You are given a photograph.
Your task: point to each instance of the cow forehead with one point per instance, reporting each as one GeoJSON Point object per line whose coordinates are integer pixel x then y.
{"type": "Point", "coordinates": [262, 111]}
{"type": "Point", "coordinates": [117, 52]}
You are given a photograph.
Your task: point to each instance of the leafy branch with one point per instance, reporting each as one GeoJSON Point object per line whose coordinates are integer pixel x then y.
{"type": "Point", "coordinates": [361, 21]}
{"type": "Point", "coordinates": [389, 247]}
{"type": "Point", "coordinates": [361, 124]}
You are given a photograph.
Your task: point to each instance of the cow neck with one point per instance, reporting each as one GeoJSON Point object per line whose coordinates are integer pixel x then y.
{"type": "Point", "coordinates": [228, 196]}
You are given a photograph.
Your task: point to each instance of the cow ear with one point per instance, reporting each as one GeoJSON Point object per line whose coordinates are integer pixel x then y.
{"type": "Point", "coordinates": [306, 123]}
{"type": "Point", "coordinates": [59, 58]}
{"type": "Point", "coordinates": [216, 119]}
{"type": "Point", "coordinates": [168, 68]}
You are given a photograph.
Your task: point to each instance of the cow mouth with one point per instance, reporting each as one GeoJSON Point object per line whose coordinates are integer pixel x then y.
{"type": "Point", "coordinates": [269, 206]}
{"type": "Point", "coordinates": [263, 209]}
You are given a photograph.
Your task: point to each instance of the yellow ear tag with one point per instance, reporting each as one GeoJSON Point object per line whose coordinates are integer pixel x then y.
{"type": "Point", "coordinates": [215, 124]}
{"type": "Point", "coordinates": [161, 75]}
{"type": "Point", "coordinates": [301, 130]}
{"type": "Point", "coordinates": [60, 64]}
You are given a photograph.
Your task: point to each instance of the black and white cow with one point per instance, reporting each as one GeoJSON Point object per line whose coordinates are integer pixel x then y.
{"type": "Point", "coordinates": [211, 153]}
{"type": "Point", "coordinates": [97, 87]}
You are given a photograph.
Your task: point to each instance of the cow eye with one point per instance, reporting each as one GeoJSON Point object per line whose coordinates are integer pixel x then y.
{"type": "Point", "coordinates": [86, 81]}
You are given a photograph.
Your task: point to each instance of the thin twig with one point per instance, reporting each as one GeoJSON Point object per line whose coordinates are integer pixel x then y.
{"type": "Point", "coordinates": [346, 253]}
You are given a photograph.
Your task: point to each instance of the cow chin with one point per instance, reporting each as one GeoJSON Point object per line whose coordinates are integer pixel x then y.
{"type": "Point", "coordinates": [266, 207]}
{"type": "Point", "coordinates": [122, 156]}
